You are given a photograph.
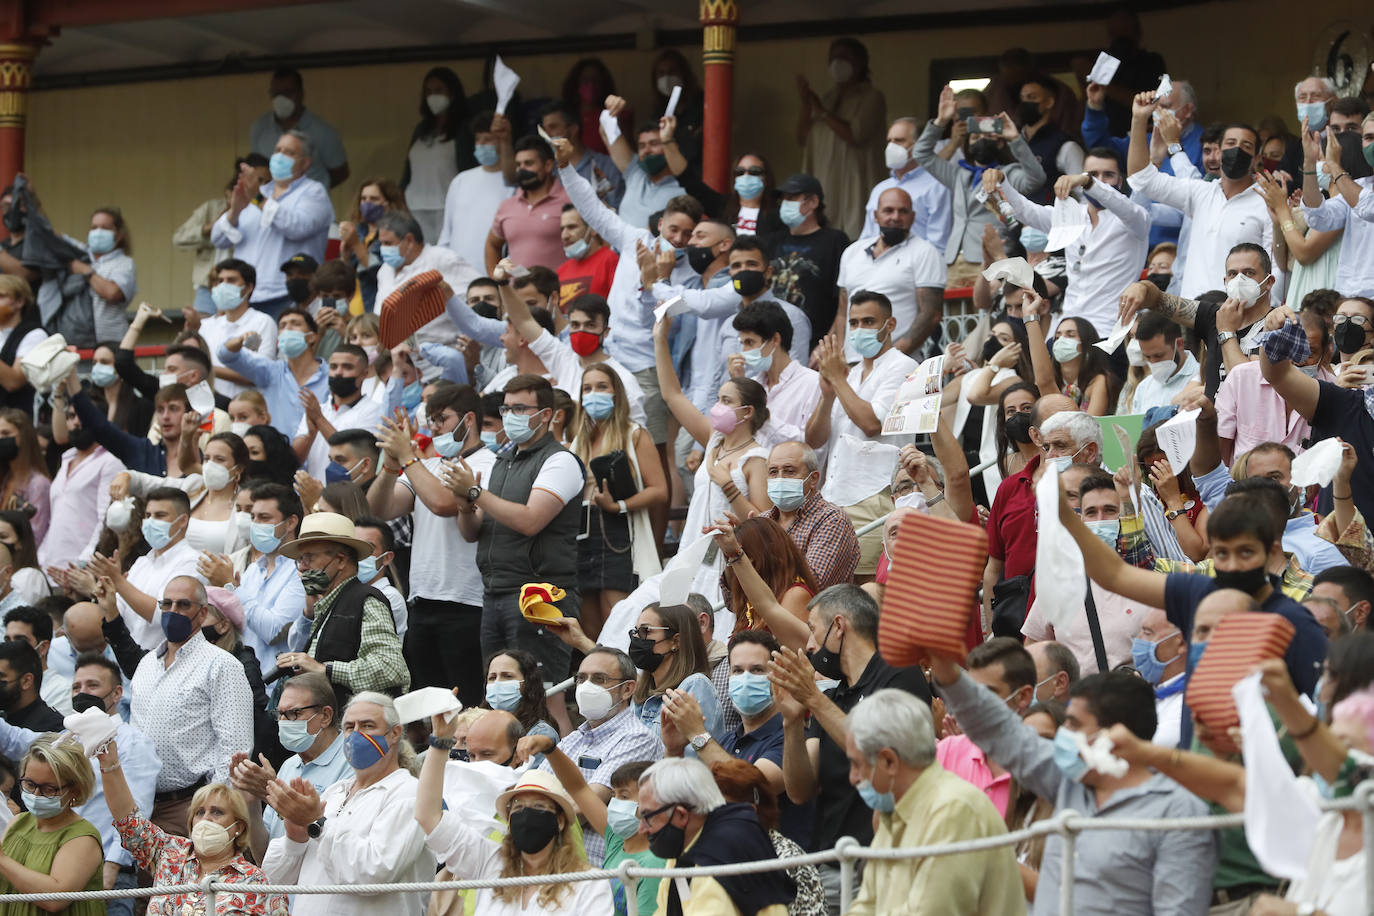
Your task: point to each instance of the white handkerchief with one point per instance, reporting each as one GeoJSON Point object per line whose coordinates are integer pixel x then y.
{"type": "Point", "coordinates": [1114, 339]}
{"type": "Point", "coordinates": [1178, 438]}
{"type": "Point", "coordinates": [202, 399]}
{"type": "Point", "coordinates": [1103, 69]}
{"type": "Point", "coordinates": [1166, 87]}
{"type": "Point", "coordinates": [1317, 465]}
{"type": "Point", "coordinates": [426, 702]}
{"type": "Point", "coordinates": [1060, 585]}
{"type": "Point", "coordinates": [610, 126]}
{"type": "Point", "coordinates": [1016, 271]}
{"type": "Point", "coordinates": [676, 583]}
{"type": "Point", "coordinates": [93, 728]}
{"type": "Point", "coordinates": [673, 306]}
{"type": "Point", "coordinates": [1067, 223]}
{"type": "Point", "coordinates": [672, 102]}
{"type": "Point", "coordinates": [505, 80]}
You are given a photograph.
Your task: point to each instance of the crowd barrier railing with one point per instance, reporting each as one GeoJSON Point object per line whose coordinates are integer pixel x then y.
{"type": "Point", "coordinates": [847, 853]}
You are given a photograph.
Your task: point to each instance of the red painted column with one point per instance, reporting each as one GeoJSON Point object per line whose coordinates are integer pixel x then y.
{"type": "Point", "coordinates": [718, 20]}
{"type": "Point", "coordinates": [16, 73]}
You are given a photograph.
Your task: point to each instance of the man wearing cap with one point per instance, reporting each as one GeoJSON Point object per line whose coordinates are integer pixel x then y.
{"type": "Point", "coordinates": [806, 258]}
{"type": "Point", "coordinates": [346, 630]}
{"type": "Point", "coordinates": [231, 289]}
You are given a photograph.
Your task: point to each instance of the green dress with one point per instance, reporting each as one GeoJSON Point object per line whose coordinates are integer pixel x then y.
{"type": "Point", "coordinates": [35, 849]}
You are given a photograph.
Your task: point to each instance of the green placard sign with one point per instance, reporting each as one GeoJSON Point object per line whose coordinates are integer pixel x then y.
{"type": "Point", "coordinates": [1112, 456]}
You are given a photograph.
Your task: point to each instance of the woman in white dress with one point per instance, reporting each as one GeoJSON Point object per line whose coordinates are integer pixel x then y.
{"type": "Point", "coordinates": [212, 527]}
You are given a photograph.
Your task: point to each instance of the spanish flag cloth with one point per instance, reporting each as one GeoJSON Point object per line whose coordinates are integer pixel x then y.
{"type": "Point", "coordinates": [537, 602]}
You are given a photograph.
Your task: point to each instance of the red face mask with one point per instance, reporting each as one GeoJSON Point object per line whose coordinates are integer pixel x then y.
{"type": "Point", "coordinates": [1271, 165]}
{"type": "Point", "coordinates": [584, 343]}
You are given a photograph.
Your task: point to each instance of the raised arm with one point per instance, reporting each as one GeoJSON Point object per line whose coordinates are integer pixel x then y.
{"type": "Point", "coordinates": [958, 482]}
{"type": "Point", "coordinates": [1138, 153]}
{"type": "Point", "coordinates": [1035, 311]}
{"type": "Point", "coordinates": [622, 153]}
{"type": "Point", "coordinates": [1277, 355]}
{"type": "Point", "coordinates": [697, 424]}
{"type": "Point", "coordinates": [589, 804]}
{"type": "Point", "coordinates": [602, 219]}
{"type": "Point", "coordinates": [1105, 566]}
{"type": "Point", "coordinates": [790, 628]}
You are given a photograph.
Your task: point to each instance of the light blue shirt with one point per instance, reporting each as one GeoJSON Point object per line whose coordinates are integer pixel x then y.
{"type": "Point", "coordinates": [277, 384]}
{"type": "Point", "coordinates": [266, 237]}
{"type": "Point", "coordinates": [591, 161]}
{"type": "Point", "coordinates": [643, 197]}
{"type": "Point", "coordinates": [930, 202]}
{"type": "Point", "coordinates": [137, 758]}
{"type": "Point", "coordinates": [1313, 553]}
{"type": "Point", "coordinates": [699, 686]}
{"type": "Point", "coordinates": [322, 772]}
{"type": "Point", "coordinates": [62, 662]}
{"type": "Point", "coordinates": [271, 603]}
{"type": "Point", "coordinates": [327, 148]}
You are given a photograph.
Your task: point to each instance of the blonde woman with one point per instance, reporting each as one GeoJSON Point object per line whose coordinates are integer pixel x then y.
{"type": "Point", "coordinates": [542, 839]}
{"type": "Point", "coordinates": [618, 552]}
{"type": "Point", "coordinates": [218, 825]}
{"type": "Point", "coordinates": [51, 848]}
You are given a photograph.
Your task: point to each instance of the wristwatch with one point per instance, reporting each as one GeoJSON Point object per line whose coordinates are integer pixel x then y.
{"type": "Point", "coordinates": [699, 741]}
{"type": "Point", "coordinates": [315, 828]}
{"type": "Point", "coordinates": [1175, 148]}
{"type": "Point", "coordinates": [473, 493]}
{"type": "Point", "coordinates": [442, 744]}
{"type": "Point", "coordinates": [1223, 336]}
{"type": "Point", "coordinates": [1175, 513]}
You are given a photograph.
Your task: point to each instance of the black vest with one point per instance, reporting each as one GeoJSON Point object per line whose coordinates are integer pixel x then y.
{"type": "Point", "coordinates": [21, 398]}
{"type": "Point", "coordinates": [1045, 145]}
{"type": "Point", "coordinates": [509, 559]}
{"type": "Point", "coordinates": [340, 631]}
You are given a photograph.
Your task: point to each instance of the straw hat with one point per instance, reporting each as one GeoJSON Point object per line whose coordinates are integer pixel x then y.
{"type": "Point", "coordinates": [326, 526]}
{"type": "Point", "coordinates": [542, 783]}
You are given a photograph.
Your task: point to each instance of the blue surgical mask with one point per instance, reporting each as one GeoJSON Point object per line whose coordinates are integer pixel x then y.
{"type": "Point", "coordinates": [750, 186]}
{"type": "Point", "coordinates": [1145, 659]}
{"type": "Point", "coordinates": [411, 395]}
{"type": "Point", "coordinates": [367, 569]}
{"type": "Point", "coordinates": [866, 342]}
{"type": "Point", "coordinates": [291, 343]}
{"type": "Point", "coordinates": [883, 802]}
{"type": "Point", "coordinates": [281, 166]}
{"type": "Point", "coordinates": [363, 750]}
{"type": "Point", "coordinates": [1108, 531]}
{"type": "Point", "coordinates": [490, 441]}
{"type": "Point", "coordinates": [42, 807]}
{"type": "Point", "coordinates": [335, 472]}
{"type": "Point", "coordinates": [517, 427]}
{"type": "Point", "coordinates": [1066, 755]}
{"type": "Point", "coordinates": [486, 154]}
{"type": "Point", "coordinates": [504, 694]}
{"type": "Point", "coordinates": [226, 296]}
{"type": "Point", "coordinates": [157, 533]}
{"type": "Point", "coordinates": [100, 241]}
{"type": "Point", "coordinates": [1195, 650]}
{"type": "Point", "coordinates": [577, 250]}
{"type": "Point", "coordinates": [598, 404]}
{"type": "Point", "coordinates": [756, 360]}
{"type": "Point", "coordinates": [103, 375]}
{"type": "Point", "coordinates": [263, 536]}
{"type": "Point", "coordinates": [622, 816]}
{"type": "Point", "coordinates": [448, 445]}
{"type": "Point", "coordinates": [751, 693]}
{"type": "Point", "coordinates": [295, 736]}
{"type": "Point", "coordinates": [789, 211]}
{"type": "Point", "coordinates": [1314, 112]}
{"type": "Point", "coordinates": [392, 257]}
{"type": "Point", "coordinates": [787, 493]}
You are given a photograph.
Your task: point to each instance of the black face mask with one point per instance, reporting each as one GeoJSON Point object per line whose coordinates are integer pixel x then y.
{"type": "Point", "coordinates": [1018, 427]}
{"type": "Point", "coordinates": [527, 179]}
{"type": "Point", "coordinates": [1028, 113]}
{"type": "Point", "coordinates": [258, 469]}
{"type": "Point", "coordinates": [486, 310]}
{"type": "Point", "coordinates": [1352, 154]}
{"type": "Point", "coordinates": [342, 386]}
{"type": "Point", "coordinates": [748, 282]}
{"type": "Point", "coordinates": [1349, 339]}
{"type": "Point", "coordinates": [642, 653]}
{"type": "Point", "coordinates": [210, 633]}
{"type": "Point", "coordinates": [14, 219]}
{"type": "Point", "coordinates": [84, 701]}
{"type": "Point", "coordinates": [531, 829]}
{"type": "Point", "coordinates": [1235, 163]}
{"type": "Point", "coordinates": [991, 346]}
{"type": "Point", "coordinates": [9, 449]}
{"type": "Point", "coordinates": [81, 439]}
{"type": "Point", "coordinates": [668, 842]}
{"type": "Point", "coordinates": [699, 257]}
{"type": "Point", "coordinates": [1160, 280]}
{"type": "Point", "coordinates": [826, 662]}
{"type": "Point", "coordinates": [298, 288]}
{"type": "Point", "coordinates": [983, 152]}
{"type": "Point", "coordinates": [893, 235]}
{"type": "Point", "coordinates": [1246, 580]}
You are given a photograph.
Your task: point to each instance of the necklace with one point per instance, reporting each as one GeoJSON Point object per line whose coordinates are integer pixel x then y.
{"type": "Point", "coordinates": [722, 452]}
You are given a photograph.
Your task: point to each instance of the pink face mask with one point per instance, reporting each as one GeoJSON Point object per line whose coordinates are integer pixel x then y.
{"type": "Point", "coordinates": [723, 418]}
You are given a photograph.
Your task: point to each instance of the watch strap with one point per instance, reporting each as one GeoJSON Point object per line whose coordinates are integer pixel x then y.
{"type": "Point", "coordinates": [1223, 336]}
{"type": "Point", "coordinates": [699, 741]}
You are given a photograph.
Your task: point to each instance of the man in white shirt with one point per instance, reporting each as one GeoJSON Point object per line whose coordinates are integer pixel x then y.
{"type": "Point", "coordinates": [287, 92]}
{"type": "Point", "coordinates": [1223, 213]}
{"type": "Point", "coordinates": [1350, 208]}
{"type": "Point", "coordinates": [1107, 256]}
{"type": "Point", "coordinates": [443, 626]}
{"type": "Point", "coordinates": [405, 255]}
{"type": "Point", "coordinates": [231, 291]}
{"type": "Point", "coordinates": [166, 515]}
{"type": "Point", "coordinates": [345, 409]}
{"type": "Point", "coordinates": [473, 196]}
{"type": "Point", "coordinates": [930, 200]}
{"type": "Point", "coordinates": [765, 334]}
{"type": "Point", "coordinates": [294, 217]}
{"type": "Point", "coordinates": [907, 271]}
{"type": "Point", "coordinates": [1160, 655]}
{"type": "Point", "coordinates": [849, 418]}
{"type": "Point", "coordinates": [1172, 367]}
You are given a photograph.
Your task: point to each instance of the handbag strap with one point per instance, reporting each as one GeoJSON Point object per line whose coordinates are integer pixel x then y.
{"type": "Point", "coordinates": [1095, 628]}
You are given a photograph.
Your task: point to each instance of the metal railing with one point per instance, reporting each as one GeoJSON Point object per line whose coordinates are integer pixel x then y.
{"type": "Point", "coordinates": [846, 853]}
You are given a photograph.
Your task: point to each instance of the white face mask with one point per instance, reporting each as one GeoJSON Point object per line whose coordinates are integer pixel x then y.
{"type": "Point", "coordinates": [895, 155]}
{"type": "Point", "coordinates": [216, 476]}
{"type": "Point", "coordinates": [1133, 354]}
{"type": "Point", "coordinates": [841, 70]}
{"type": "Point", "coordinates": [1243, 289]}
{"type": "Point", "coordinates": [1163, 371]}
{"type": "Point", "coordinates": [437, 103]}
{"type": "Point", "coordinates": [239, 428]}
{"type": "Point", "coordinates": [595, 703]}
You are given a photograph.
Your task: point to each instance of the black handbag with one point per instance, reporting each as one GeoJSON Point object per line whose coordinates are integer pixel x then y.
{"type": "Point", "coordinates": [1010, 603]}
{"type": "Point", "coordinates": [614, 469]}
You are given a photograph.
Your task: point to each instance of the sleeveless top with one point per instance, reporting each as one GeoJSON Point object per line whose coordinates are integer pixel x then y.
{"type": "Point", "coordinates": [35, 849]}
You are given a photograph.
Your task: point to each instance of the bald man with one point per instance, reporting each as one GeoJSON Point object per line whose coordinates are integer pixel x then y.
{"type": "Point", "coordinates": [493, 737]}
{"type": "Point", "coordinates": [81, 626]}
{"type": "Point", "coordinates": [1215, 606]}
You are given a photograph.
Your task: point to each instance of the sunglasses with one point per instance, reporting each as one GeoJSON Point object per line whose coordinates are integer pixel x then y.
{"type": "Point", "coordinates": [749, 170]}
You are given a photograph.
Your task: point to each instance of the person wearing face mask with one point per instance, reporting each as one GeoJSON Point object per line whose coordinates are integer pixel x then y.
{"type": "Point", "coordinates": [649, 181]}
{"type": "Point", "coordinates": [766, 581]}
{"type": "Point", "coordinates": [194, 236]}
{"type": "Point", "coordinates": [930, 199]}
{"type": "Point", "coordinates": [346, 408]}
{"type": "Point", "coordinates": [443, 623]}
{"type": "Point", "coordinates": [441, 146]}
{"type": "Point", "coordinates": [382, 570]}
{"type": "Point", "coordinates": [839, 129]}
{"type": "Point", "coordinates": [231, 291]}
{"type": "Point", "coordinates": [280, 381]}
{"type": "Point", "coordinates": [560, 119]}
{"type": "Point", "coordinates": [1159, 654]}
{"type": "Point", "coordinates": [514, 686]}
{"type": "Point", "coordinates": [1171, 366]}
{"type": "Point", "coordinates": [288, 112]}
{"type": "Point", "coordinates": [346, 629]}
{"type": "Point", "coordinates": [1348, 206]}
{"type": "Point", "coordinates": [50, 847]}
{"type": "Point", "coordinates": [819, 528]}
{"type": "Point", "coordinates": [295, 216]}
{"type": "Point", "coordinates": [526, 225]}
{"type": "Point", "coordinates": [80, 492]}
{"type": "Point", "coordinates": [806, 253]}
{"type": "Point", "coordinates": [111, 275]}
{"type": "Point", "coordinates": [476, 192]}
{"type": "Point", "coordinates": [405, 254]}
{"type": "Point", "coordinates": [540, 841]}
{"type": "Point", "coordinates": [359, 247]}
{"type": "Point", "coordinates": [21, 679]}
{"type": "Point", "coordinates": [591, 263]}
{"type": "Point", "coordinates": [1223, 214]}
{"type": "Point", "coordinates": [1173, 872]}
{"type": "Point", "coordinates": [1250, 412]}
{"type": "Point", "coordinates": [963, 252]}
{"type": "Point", "coordinates": [22, 331]}
{"type": "Point", "coordinates": [361, 830]}
{"type": "Point", "coordinates": [1057, 154]}
{"type": "Point", "coordinates": [763, 336]}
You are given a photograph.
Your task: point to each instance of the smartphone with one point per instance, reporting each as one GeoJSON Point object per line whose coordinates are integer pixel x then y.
{"type": "Point", "coordinates": [984, 125]}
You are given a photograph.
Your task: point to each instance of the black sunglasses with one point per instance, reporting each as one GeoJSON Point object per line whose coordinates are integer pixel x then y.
{"type": "Point", "coordinates": [749, 170]}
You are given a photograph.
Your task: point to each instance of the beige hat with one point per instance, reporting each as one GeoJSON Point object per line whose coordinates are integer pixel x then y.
{"type": "Point", "coordinates": [326, 526]}
{"type": "Point", "coordinates": [542, 783]}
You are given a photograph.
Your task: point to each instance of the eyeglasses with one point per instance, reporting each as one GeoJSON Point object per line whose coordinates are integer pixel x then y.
{"type": "Point", "coordinates": [903, 489]}
{"type": "Point", "coordinates": [294, 715]}
{"type": "Point", "coordinates": [519, 408]}
{"type": "Point", "coordinates": [645, 815]}
{"type": "Point", "coordinates": [522, 806]}
{"type": "Point", "coordinates": [41, 789]}
{"type": "Point", "coordinates": [749, 170]}
{"type": "Point", "coordinates": [600, 680]}
{"type": "Point", "coordinates": [644, 631]}
{"type": "Point", "coordinates": [1359, 321]}
{"type": "Point", "coordinates": [180, 605]}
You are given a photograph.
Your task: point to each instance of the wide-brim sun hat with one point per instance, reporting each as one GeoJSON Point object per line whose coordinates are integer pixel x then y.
{"type": "Point", "coordinates": [326, 526]}
{"type": "Point", "coordinates": [540, 783]}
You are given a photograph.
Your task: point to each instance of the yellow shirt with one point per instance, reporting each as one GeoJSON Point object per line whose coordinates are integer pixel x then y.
{"type": "Point", "coordinates": [706, 896]}
{"type": "Point", "coordinates": [939, 807]}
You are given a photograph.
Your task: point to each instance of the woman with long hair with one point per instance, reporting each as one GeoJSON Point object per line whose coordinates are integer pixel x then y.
{"type": "Point", "coordinates": [618, 551]}
{"type": "Point", "coordinates": [1005, 360]}
{"type": "Point", "coordinates": [440, 148]}
{"type": "Point", "coordinates": [1177, 494]}
{"type": "Point", "coordinates": [358, 244]}
{"type": "Point", "coordinates": [542, 839]}
{"type": "Point", "coordinates": [270, 456]}
{"type": "Point", "coordinates": [27, 579]}
{"type": "Point", "coordinates": [1014, 445]}
{"type": "Point", "coordinates": [667, 647]}
{"type": "Point", "coordinates": [514, 685]}
{"type": "Point", "coordinates": [20, 319]}
{"type": "Point", "coordinates": [585, 88]}
{"type": "Point", "coordinates": [80, 491]}
{"type": "Point", "coordinates": [211, 486]}
{"type": "Point", "coordinates": [125, 407]}
{"type": "Point", "coordinates": [24, 482]}
{"type": "Point", "coordinates": [767, 582]}
{"type": "Point", "coordinates": [111, 274]}
{"type": "Point", "coordinates": [751, 204]}
{"type": "Point", "coordinates": [1075, 367]}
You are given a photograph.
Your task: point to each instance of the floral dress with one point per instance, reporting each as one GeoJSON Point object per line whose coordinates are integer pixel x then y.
{"type": "Point", "coordinates": [171, 860]}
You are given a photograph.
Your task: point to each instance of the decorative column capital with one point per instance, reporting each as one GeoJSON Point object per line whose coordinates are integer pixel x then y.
{"type": "Point", "coordinates": [16, 75]}
{"type": "Point", "coordinates": [718, 20]}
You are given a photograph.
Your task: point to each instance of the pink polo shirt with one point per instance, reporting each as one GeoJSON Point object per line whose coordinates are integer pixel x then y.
{"type": "Point", "coordinates": [964, 759]}
{"type": "Point", "coordinates": [531, 232]}
{"type": "Point", "coordinates": [1250, 412]}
